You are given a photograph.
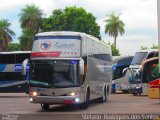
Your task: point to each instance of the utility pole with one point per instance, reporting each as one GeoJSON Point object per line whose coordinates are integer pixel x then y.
{"type": "Point", "coordinates": [158, 19]}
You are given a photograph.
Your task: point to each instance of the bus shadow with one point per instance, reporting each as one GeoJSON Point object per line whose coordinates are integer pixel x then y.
{"type": "Point", "coordinates": [13, 96]}
{"type": "Point", "coordinates": [70, 108]}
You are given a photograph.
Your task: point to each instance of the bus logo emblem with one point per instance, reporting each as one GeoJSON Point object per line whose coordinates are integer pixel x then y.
{"type": "Point", "coordinates": [45, 45]}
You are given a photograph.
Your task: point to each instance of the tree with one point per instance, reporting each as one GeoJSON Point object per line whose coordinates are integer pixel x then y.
{"type": "Point", "coordinates": [152, 47]}
{"type": "Point", "coordinates": [115, 51]}
{"type": "Point", "coordinates": [31, 18]}
{"type": "Point", "coordinates": [144, 47]}
{"type": "Point", "coordinates": [31, 23]}
{"type": "Point", "coordinates": [26, 39]}
{"type": "Point", "coordinates": [6, 33]}
{"type": "Point", "coordinates": [114, 26]}
{"type": "Point", "coordinates": [72, 19]}
{"type": "Point", "coordinates": [13, 47]}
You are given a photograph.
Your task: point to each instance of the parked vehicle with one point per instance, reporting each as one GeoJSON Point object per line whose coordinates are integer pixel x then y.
{"type": "Point", "coordinates": [139, 80]}
{"type": "Point", "coordinates": [118, 66]}
{"type": "Point", "coordinates": [11, 79]}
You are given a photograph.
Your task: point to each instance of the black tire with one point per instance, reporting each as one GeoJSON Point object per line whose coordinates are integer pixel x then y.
{"type": "Point", "coordinates": [86, 103]}
{"type": "Point", "coordinates": [125, 91]}
{"type": "Point", "coordinates": [135, 94]}
{"type": "Point", "coordinates": [104, 97]}
{"type": "Point", "coordinates": [45, 106]}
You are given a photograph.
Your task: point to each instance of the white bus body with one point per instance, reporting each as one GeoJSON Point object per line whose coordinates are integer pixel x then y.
{"type": "Point", "coordinates": [69, 68]}
{"type": "Point", "coordinates": [118, 66]}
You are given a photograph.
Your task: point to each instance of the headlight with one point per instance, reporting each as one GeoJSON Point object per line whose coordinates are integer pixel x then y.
{"type": "Point", "coordinates": [33, 93]}
{"type": "Point", "coordinates": [137, 87]}
{"type": "Point", "coordinates": [73, 94]}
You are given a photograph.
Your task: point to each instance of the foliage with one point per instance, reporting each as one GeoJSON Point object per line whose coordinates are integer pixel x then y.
{"type": "Point", "coordinates": [115, 51]}
{"type": "Point", "coordinates": [72, 19]}
{"type": "Point", "coordinates": [152, 47]}
{"type": "Point", "coordinates": [13, 47]}
{"type": "Point", "coordinates": [144, 47]}
{"type": "Point", "coordinates": [6, 33]}
{"type": "Point", "coordinates": [31, 18]}
{"type": "Point", "coordinates": [31, 23]}
{"type": "Point", "coordinates": [114, 26]}
{"type": "Point", "coordinates": [26, 39]}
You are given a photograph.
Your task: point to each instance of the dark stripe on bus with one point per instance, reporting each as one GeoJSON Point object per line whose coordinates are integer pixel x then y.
{"type": "Point", "coordinates": [57, 37]}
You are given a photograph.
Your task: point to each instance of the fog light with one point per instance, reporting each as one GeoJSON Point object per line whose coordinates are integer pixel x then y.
{"type": "Point", "coordinates": [77, 100]}
{"type": "Point", "coordinates": [31, 99]}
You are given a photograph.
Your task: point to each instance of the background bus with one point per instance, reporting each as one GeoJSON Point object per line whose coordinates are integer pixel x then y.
{"type": "Point", "coordinates": [136, 78]}
{"type": "Point", "coordinates": [69, 68]}
{"type": "Point", "coordinates": [11, 79]}
{"type": "Point", "coordinates": [118, 66]}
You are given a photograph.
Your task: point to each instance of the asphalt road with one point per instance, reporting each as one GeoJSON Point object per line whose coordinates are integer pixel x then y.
{"type": "Point", "coordinates": [12, 104]}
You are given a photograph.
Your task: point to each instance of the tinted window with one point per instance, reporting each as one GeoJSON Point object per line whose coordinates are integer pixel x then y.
{"type": "Point", "coordinates": [123, 60]}
{"type": "Point", "coordinates": [138, 58]}
{"type": "Point", "coordinates": [58, 73]}
{"type": "Point", "coordinates": [7, 58]}
{"type": "Point", "coordinates": [21, 57]}
{"type": "Point", "coordinates": [118, 72]}
{"type": "Point", "coordinates": [150, 55]}
{"type": "Point", "coordinates": [13, 58]}
{"type": "Point", "coordinates": [105, 57]}
{"type": "Point", "coordinates": [7, 76]}
{"type": "Point", "coordinates": [156, 54]}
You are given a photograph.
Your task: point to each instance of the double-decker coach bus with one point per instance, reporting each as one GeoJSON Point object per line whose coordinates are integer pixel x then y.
{"type": "Point", "coordinates": [11, 79]}
{"type": "Point", "coordinates": [69, 68]}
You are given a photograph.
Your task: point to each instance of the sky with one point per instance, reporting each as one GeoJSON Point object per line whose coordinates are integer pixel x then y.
{"type": "Point", "coordinates": [139, 16]}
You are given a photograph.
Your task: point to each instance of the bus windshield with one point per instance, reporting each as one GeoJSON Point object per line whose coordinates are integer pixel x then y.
{"type": "Point", "coordinates": [138, 58]}
{"type": "Point", "coordinates": [54, 73]}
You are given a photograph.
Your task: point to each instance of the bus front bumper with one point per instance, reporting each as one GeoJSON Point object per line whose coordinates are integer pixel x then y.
{"type": "Point", "coordinates": [55, 100]}
{"type": "Point", "coordinates": [135, 90]}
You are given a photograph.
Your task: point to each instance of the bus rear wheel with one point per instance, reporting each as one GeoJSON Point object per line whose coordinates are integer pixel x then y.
{"type": "Point", "coordinates": [104, 98]}
{"type": "Point", "coordinates": [45, 106]}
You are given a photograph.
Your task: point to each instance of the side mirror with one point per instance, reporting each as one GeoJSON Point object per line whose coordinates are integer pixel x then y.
{"type": "Point", "coordinates": [125, 70]}
{"type": "Point", "coordinates": [81, 67]}
{"type": "Point", "coordinates": [24, 66]}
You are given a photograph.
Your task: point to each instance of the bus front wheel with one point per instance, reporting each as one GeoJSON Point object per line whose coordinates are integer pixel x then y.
{"type": "Point", "coordinates": [44, 106]}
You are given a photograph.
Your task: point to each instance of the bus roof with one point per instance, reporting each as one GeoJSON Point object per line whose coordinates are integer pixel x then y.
{"type": "Point", "coordinates": [59, 33]}
{"type": "Point", "coordinates": [149, 50]}
{"type": "Point", "coordinates": [123, 60]}
{"type": "Point", "coordinates": [69, 33]}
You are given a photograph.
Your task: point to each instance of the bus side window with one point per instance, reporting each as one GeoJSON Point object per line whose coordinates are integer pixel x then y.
{"type": "Point", "coordinates": [151, 55]}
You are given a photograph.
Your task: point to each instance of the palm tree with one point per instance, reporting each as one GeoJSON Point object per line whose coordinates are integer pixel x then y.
{"type": "Point", "coordinates": [31, 18]}
{"type": "Point", "coordinates": [26, 39]}
{"type": "Point", "coordinates": [114, 26]}
{"type": "Point", "coordinates": [6, 33]}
